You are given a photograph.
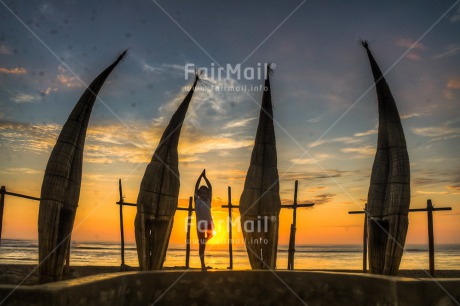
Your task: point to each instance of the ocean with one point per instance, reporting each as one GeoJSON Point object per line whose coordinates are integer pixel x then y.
{"type": "Point", "coordinates": [336, 257]}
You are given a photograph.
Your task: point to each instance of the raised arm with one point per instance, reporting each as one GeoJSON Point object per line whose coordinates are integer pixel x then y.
{"type": "Point", "coordinates": [198, 183]}
{"type": "Point", "coordinates": [209, 185]}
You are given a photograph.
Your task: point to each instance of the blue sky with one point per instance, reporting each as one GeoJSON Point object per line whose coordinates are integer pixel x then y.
{"type": "Point", "coordinates": [324, 104]}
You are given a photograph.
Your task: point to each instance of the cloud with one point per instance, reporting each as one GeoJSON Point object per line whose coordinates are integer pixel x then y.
{"type": "Point", "coordinates": [413, 56]}
{"type": "Point", "coordinates": [316, 188]}
{"type": "Point", "coordinates": [67, 79]}
{"type": "Point", "coordinates": [366, 133]}
{"type": "Point", "coordinates": [456, 16]}
{"type": "Point", "coordinates": [321, 199]}
{"type": "Point", "coordinates": [453, 83]}
{"type": "Point", "coordinates": [317, 200]}
{"type": "Point", "coordinates": [409, 43]}
{"type": "Point", "coordinates": [21, 171]}
{"type": "Point", "coordinates": [427, 177]}
{"type": "Point", "coordinates": [162, 69]}
{"type": "Point", "coordinates": [439, 159]}
{"type": "Point", "coordinates": [315, 119]}
{"type": "Point", "coordinates": [310, 161]}
{"type": "Point", "coordinates": [315, 176]}
{"type": "Point", "coordinates": [454, 187]}
{"type": "Point", "coordinates": [347, 140]}
{"type": "Point", "coordinates": [38, 138]}
{"type": "Point", "coordinates": [412, 46]}
{"type": "Point", "coordinates": [436, 131]}
{"type": "Point", "coordinates": [231, 175]}
{"type": "Point", "coordinates": [4, 50]}
{"type": "Point", "coordinates": [362, 152]}
{"type": "Point", "coordinates": [410, 115]}
{"type": "Point", "coordinates": [431, 192]}
{"type": "Point", "coordinates": [114, 143]}
{"type": "Point", "coordinates": [318, 177]}
{"type": "Point", "coordinates": [47, 91]}
{"type": "Point", "coordinates": [207, 102]}
{"type": "Point", "coordinates": [451, 50]}
{"type": "Point", "coordinates": [238, 123]}
{"type": "Point", "coordinates": [357, 138]}
{"type": "Point", "coordinates": [217, 143]}
{"type": "Point", "coordinates": [17, 70]}
{"type": "Point", "coordinates": [25, 98]}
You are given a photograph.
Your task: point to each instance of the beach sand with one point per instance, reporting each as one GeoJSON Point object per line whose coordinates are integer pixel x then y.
{"type": "Point", "coordinates": [28, 274]}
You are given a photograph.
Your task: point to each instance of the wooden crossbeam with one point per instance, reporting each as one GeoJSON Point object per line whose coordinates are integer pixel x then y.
{"type": "Point", "coordinates": [132, 204]}
{"type": "Point", "coordinates": [4, 193]}
{"type": "Point", "coordinates": [297, 205]}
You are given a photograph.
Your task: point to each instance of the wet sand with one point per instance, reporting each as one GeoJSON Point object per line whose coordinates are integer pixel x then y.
{"type": "Point", "coordinates": [28, 274]}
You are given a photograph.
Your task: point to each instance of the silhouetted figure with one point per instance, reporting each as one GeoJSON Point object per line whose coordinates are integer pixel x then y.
{"type": "Point", "coordinates": [205, 225]}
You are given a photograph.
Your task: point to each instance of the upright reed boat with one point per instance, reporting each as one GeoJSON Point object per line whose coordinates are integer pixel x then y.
{"type": "Point", "coordinates": [159, 191]}
{"type": "Point", "coordinates": [389, 191]}
{"type": "Point", "coordinates": [61, 184]}
{"type": "Point", "coordinates": [260, 202]}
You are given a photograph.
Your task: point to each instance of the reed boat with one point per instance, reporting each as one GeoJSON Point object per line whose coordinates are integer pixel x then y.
{"type": "Point", "coordinates": [61, 183]}
{"type": "Point", "coordinates": [389, 191]}
{"type": "Point", "coordinates": [260, 202]}
{"type": "Point", "coordinates": [159, 191]}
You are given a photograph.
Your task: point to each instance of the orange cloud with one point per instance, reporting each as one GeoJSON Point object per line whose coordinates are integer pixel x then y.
{"type": "Point", "coordinates": [453, 83]}
{"type": "Point", "coordinates": [17, 70]}
{"type": "Point", "coordinates": [69, 81]}
{"type": "Point", "coordinates": [431, 192]}
{"type": "Point", "coordinates": [413, 56]}
{"type": "Point", "coordinates": [21, 171]}
{"type": "Point", "coordinates": [409, 43]}
{"type": "Point", "coordinates": [310, 161]}
{"type": "Point", "coordinates": [28, 137]}
{"type": "Point", "coordinates": [362, 152]}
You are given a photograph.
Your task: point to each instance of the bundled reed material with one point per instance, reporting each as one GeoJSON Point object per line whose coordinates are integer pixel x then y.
{"type": "Point", "coordinates": [260, 202]}
{"type": "Point", "coordinates": [61, 184]}
{"type": "Point", "coordinates": [389, 191]}
{"type": "Point", "coordinates": [159, 192]}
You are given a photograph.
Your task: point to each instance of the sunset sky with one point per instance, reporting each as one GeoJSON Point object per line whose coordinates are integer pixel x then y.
{"type": "Point", "coordinates": [324, 104]}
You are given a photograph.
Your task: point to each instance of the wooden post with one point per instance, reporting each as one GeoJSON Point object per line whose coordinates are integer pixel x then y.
{"type": "Point", "coordinates": [67, 258]}
{"type": "Point", "coordinates": [122, 234]}
{"type": "Point", "coordinates": [230, 206]}
{"type": "Point", "coordinates": [187, 241]}
{"type": "Point", "coordinates": [2, 205]}
{"type": "Point", "coordinates": [291, 250]}
{"type": "Point", "coordinates": [429, 212]}
{"type": "Point", "coordinates": [230, 242]}
{"type": "Point", "coordinates": [365, 240]}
